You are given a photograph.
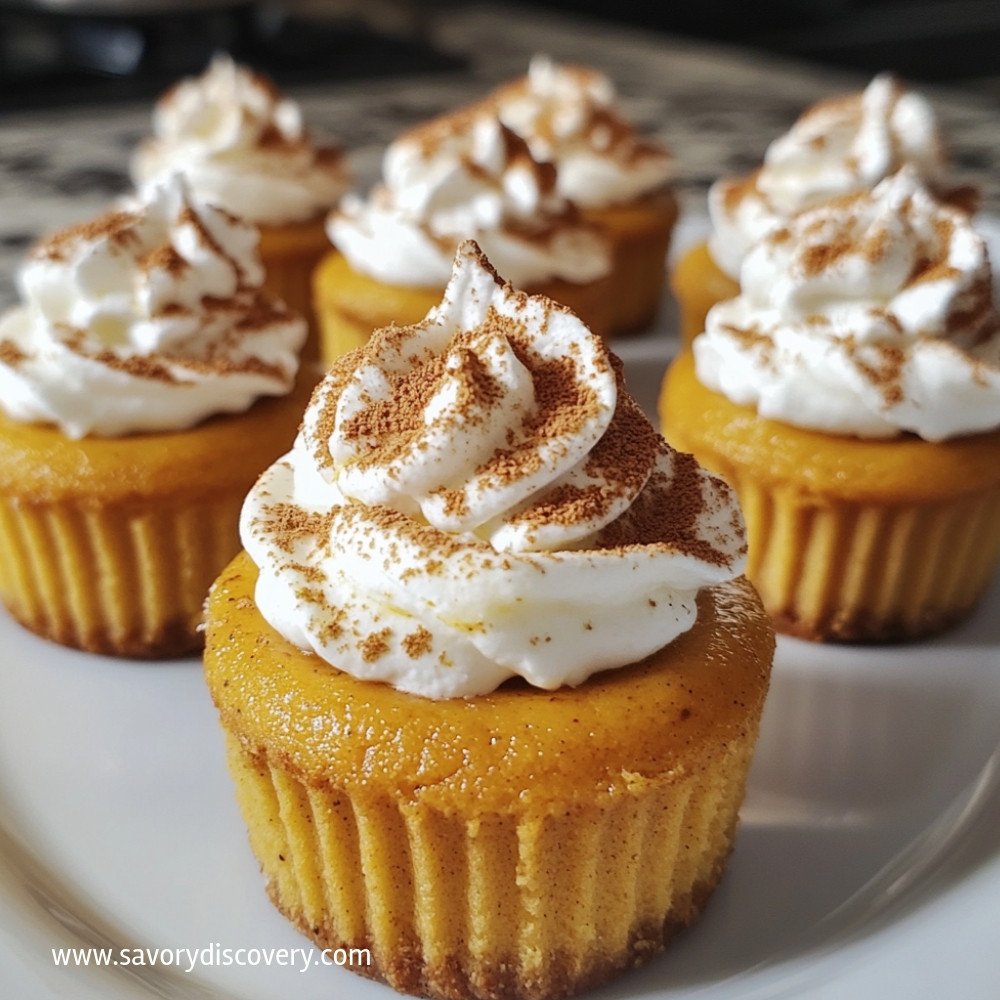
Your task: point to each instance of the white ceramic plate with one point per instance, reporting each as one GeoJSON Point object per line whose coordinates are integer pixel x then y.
{"type": "Point", "coordinates": [867, 864]}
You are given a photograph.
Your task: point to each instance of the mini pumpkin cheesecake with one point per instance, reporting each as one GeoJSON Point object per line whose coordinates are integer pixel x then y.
{"type": "Point", "coordinates": [620, 181]}
{"type": "Point", "coordinates": [110, 544]}
{"type": "Point", "coordinates": [851, 396]}
{"type": "Point", "coordinates": [839, 146]}
{"type": "Point", "coordinates": [850, 540]}
{"type": "Point", "coordinates": [462, 175]}
{"type": "Point", "coordinates": [489, 678]}
{"type": "Point", "coordinates": [242, 145]}
{"type": "Point", "coordinates": [144, 383]}
{"type": "Point", "coordinates": [607, 811]}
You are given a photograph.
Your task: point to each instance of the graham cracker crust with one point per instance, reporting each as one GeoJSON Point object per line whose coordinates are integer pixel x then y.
{"type": "Point", "coordinates": [175, 638]}
{"type": "Point", "coordinates": [864, 629]}
{"type": "Point", "coordinates": [458, 979]}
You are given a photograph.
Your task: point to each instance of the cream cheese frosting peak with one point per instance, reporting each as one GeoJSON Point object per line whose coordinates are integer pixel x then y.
{"type": "Point", "coordinates": [870, 315]}
{"type": "Point", "coordinates": [838, 146]}
{"type": "Point", "coordinates": [242, 146]}
{"type": "Point", "coordinates": [149, 318]}
{"type": "Point", "coordinates": [477, 497]}
{"type": "Point", "coordinates": [466, 175]}
{"type": "Point", "coordinates": [568, 115]}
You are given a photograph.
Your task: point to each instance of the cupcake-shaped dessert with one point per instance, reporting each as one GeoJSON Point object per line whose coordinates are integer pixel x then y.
{"type": "Point", "coordinates": [837, 147]}
{"type": "Point", "coordinates": [489, 679]}
{"type": "Point", "coordinates": [568, 115]}
{"type": "Point", "coordinates": [133, 420]}
{"type": "Point", "coordinates": [242, 146]}
{"type": "Point", "coordinates": [851, 394]}
{"type": "Point", "coordinates": [464, 175]}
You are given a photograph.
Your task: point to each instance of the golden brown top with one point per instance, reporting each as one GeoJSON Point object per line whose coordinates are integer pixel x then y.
{"type": "Point", "coordinates": [516, 750]}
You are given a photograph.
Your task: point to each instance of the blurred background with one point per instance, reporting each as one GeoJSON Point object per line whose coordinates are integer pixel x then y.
{"type": "Point", "coordinates": [56, 52]}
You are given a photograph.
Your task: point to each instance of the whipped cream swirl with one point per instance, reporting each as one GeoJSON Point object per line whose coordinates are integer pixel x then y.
{"type": "Point", "coordinates": [149, 318]}
{"type": "Point", "coordinates": [568, 116]}
{"type": "Point", "coordinates": [838, 146]}
{"type": "Point", "coordinates": [241, 146]}
{"type": "Point", "coordinates": [465, 175]}
{"type": "Point", "coordinates": [870, 315]}
{"type": "Point", "coordinates": [476, 498]}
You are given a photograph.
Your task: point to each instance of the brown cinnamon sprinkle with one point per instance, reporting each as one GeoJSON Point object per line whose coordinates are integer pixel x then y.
{"type": "Point", "coordinates": [375, 645]}
{"type": "Point", "coordinates": [418, 643]}
{"type": "Point", "coordinates": [542, 229]}
{"type": "Point", "coordinates": [884, 372]}
{"type": "Point", "coordinates": [250, 311]}
{"type": "Point", "coordinates": [333, 625]}
{"type": "Point", "coordinates": [622, 458]}
{"type": "Point", "coordinates": [516, 151]}
{"type": "Point", "coordinates": [964, 198]}
{"type": "Point", "coordinates": [288, 524]}
{"type": "Point", "coordinates": [216, 360]}
{"type": "Point", "coordinates": [388, 426]}
{"type": "Point", "coordinates": [456, 503]}
{"type": "Point", "coordinates": [566, 505]}
{"type": "Point", "coordinates": [430, 135]}
{"type": "Point", "coordinates": [602, 128]}
{"type": "Point", "coordinates": [271, 137]}
{"type": "Point", "coordinates": [10, 354]}
{"type": "Point", "coordinates": [736, 189]}
{"type": "Point", "coordinates": [931, 267]}
{"type": "Point", "coordinates": [443, 131]}
{"type": "Point", "coordinates": [272, 140]}
{"type": "Point", "coordinates": [137, 365]}
{"type": "Point", "coordinates": [980, 320]}
{"type": "Point", "coordinates": [424, 538]}
{"type": "Point", "coordinates": [818, 257]}
{"type": "Point", "coordinates": [117, 227]}
{"type": "Point", "coordinates": [189, 217]}
{"type": "Point", "coordinates": [875, 246]}
{"type": "Point", "coordinates": [936, 272]}
{"type": "Point", "coordinates": [311, 595]}
{"type": "Point", "coordinates": [164, 258]}
{"type": "Point", "coordinates": [563, 403]}
{"type": "Point", "coordinates": [667, 513]}
{"type": "Point", "coordinates": [325, 396]}
{"type": "Point", "coordinates": [221, 365]}
{"type": "Point", "coordinates": [751, 338]}
{"type": "Point", "coordinates": [392, 425]}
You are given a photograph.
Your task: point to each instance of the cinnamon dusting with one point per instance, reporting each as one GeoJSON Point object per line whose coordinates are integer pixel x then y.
{"type": "Point", "coordinates": [10, 354]}
{"type": "Point", "coordinates": [288, 524]}
{"type": "Point", "coordinates": [669, 512]}
{"type": "Point", "coordinates": [375, 645]}
{"type": "Point", "coordinates": [417, 643]}
{"type": "Point", "coordinates": [600, 127]}
{"type": "Point", "coordinates": [117, 227]}
{"type": "Point", "coordinates": [884, 370]}
{"type": "Point", "coordinates": [620, 464]}
{"type": "Point", "coordinates": [164, 258]}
